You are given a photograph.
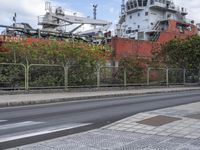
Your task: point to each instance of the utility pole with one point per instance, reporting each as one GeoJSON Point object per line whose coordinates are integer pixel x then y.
{"type": "Point", "coordinates": [14, 19]}
{"type": "Point", "coordinates": [123, 7]}
{"type": "Point", "coordinates": [95, 12]}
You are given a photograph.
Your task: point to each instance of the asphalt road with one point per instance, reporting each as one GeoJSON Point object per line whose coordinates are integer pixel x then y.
{"type": "Point", "coordinates": [30, 124]}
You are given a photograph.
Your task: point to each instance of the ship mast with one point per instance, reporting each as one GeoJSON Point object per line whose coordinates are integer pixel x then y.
{"type": "Point", "coordinates": [123, 7]}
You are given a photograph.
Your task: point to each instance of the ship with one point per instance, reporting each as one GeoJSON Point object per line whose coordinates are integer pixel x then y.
{"type": "Point", "coordinates": [145, 25]}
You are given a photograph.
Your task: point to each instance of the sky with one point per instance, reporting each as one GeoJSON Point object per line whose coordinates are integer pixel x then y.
{"type": "Point", "coordinates": [29, 10]}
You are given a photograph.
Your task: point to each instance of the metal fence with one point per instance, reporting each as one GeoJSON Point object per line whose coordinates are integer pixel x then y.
{"type": "Point", "coordinates": [81, 76]}
{"type": "Point", "coordinates": [43, 76]}
{"type": "Point", "coordinates": [12, 76]}
{"type": "Point", "coordinates": [15, 76]}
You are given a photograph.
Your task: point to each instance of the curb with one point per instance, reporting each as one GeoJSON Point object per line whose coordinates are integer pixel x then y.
{"type": "Point", "coordinates": [72, 99]}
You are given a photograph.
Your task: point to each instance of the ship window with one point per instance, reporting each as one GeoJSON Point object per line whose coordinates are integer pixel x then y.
{"type": "Point", "coordinates": [131, 4]}
{"type": "Point", "coordinates": [135, 3]}
{"type": "Point", "coordinates": [130, 16]}
{"type": "Point", "coordinates": [128, 31]}
{"type": "Point", "coordinates": [138, 14]}
{"type": "Point", "coordinates": [144, 2]}
{"type": "Point", "coordinates": [138, 26]}
{"type": "Point", "coordinates": [146, 13]}
{"type": "Point", "coordinates": [152, 2]}
{"type": "Point", "coordinates": [140, 3]}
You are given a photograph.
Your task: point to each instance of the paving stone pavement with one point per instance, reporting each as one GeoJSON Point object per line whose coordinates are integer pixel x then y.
{"type": "Point", "coordinates": [128, 134]}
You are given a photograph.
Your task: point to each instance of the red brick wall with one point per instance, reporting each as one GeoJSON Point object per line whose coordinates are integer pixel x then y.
{"type": "Point", "coordinates": [128, 47]}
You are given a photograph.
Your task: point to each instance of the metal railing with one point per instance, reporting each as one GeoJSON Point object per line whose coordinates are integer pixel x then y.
{"type": "Point", "coordinates": [12, 76]}
{"type": "Point", "coordinates": [17, 76]}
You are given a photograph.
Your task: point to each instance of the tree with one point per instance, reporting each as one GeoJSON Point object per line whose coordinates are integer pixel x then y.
{"type": "Point", "coordinates": [182, 53]}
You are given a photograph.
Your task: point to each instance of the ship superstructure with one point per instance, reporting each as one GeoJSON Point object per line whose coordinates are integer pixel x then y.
{"type": "Point", "coordinates": [145, 19]}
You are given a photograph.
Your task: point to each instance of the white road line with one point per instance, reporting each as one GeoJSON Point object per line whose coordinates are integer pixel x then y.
{"type": "Point", "coordinates": [20, 124]}
{"type": "Point", "coordinates": [42, 132]}
{"type": "Point", "coordinates": [3, 120]}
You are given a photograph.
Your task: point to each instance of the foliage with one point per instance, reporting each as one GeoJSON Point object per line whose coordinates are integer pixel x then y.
{"type": "Point", "coordinates": [70, 53]}
{"type": "Point", "coordinates": [136, 69]}
{"type": "Point", "coordinates": [55, 52]}
{"type": "Point", "coordinates": [182, 53]}
{"type": "Point", "coordinates": [82, 75]}
{"type": "Point", "coordinates": [12, 76]}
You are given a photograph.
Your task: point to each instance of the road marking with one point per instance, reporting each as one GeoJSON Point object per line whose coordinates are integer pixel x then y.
{"type": "Point", "coordinates": [42, 132]}
{"type": "Point", "coordinates": [3, 120]}
{"type": "Point", "coordinates": [20, 124]}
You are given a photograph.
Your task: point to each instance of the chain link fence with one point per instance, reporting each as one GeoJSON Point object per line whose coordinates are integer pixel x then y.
{"type": "Point", "coordinates": [45, 76]}
{"type": "Point", "coordinates": [176, 76]}
{"type": "Point", "coordinates": [82, 76]}
{"type": "Point", "coordinates": [156, 76]}
{"type": "Point", "coordinates": [15, 76]}
{"type": "Point", "coordinates": [136, 76]}
{"type": "Point", "coordinates": [192, 76]}
{"type": "Point", "coordinates": [112, 76]}
{"type": "Point", "coordinates": [12, 76]}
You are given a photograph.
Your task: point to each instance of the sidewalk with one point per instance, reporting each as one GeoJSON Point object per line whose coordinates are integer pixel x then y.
{"type": "Point", "coordinates": [174, 128]}
{"type": "Point", "coordinates": [28, 99]}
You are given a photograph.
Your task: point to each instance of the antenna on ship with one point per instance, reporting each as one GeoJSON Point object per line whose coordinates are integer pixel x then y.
{"type": "Point", "coordinates": [95, 12]}
{"type": "Point", "coordinates": [123, 7]}
{"type": "Point", "coordinates": [48, 6]}
{"type": "Point", "coordinates": [14, 19]}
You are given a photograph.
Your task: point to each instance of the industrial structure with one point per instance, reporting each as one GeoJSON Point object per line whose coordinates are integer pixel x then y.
{"type": "Point", "coordinates": [58, 23]}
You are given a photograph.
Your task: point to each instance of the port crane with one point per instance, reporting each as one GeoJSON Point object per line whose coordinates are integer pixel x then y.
{"type": "Point", "coordinates": [57, 20]}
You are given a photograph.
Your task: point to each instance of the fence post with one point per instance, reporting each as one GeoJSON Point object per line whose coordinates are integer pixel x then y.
{"type": "Point", "coordinates": [184, 76]}
{"type": "Point", "coordinates": [199, 76]}
{"type": "Point", "coordinates": [167, 77]}
{"type": "Point", "coordinates": [148, 76]}
{"type": "Point", "coordinates": [27, 76]}
{"type": "Point", "coordinates": [66, 74]}
{"type": "Point", "coordinates": [98, 76]}
{"type": "Point", "coordinates": [125, 77]}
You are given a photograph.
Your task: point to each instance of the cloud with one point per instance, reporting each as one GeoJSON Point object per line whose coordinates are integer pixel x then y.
{"type": "Point", "coordinates": [193, 8]}
{"type": "Point", "coordinates": [28, 11]}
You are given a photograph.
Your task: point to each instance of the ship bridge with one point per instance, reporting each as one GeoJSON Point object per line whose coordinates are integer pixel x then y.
{"type": "Point", "coordinates": [136, 5]}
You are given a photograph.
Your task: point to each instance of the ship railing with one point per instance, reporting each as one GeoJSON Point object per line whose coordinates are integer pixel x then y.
{"type": "Point", "coordinates": [157, 3]}
{"type": "Point", "coordinates": [178, 8]}
{"type": "Point", "coordinates": [156, 27]}
{"type": "Point", "coordinates": [170, 7]}
{"type": "Point", "coordinates": [190, 21]}
{"type": "Point", "coordinates": [66, 11]}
